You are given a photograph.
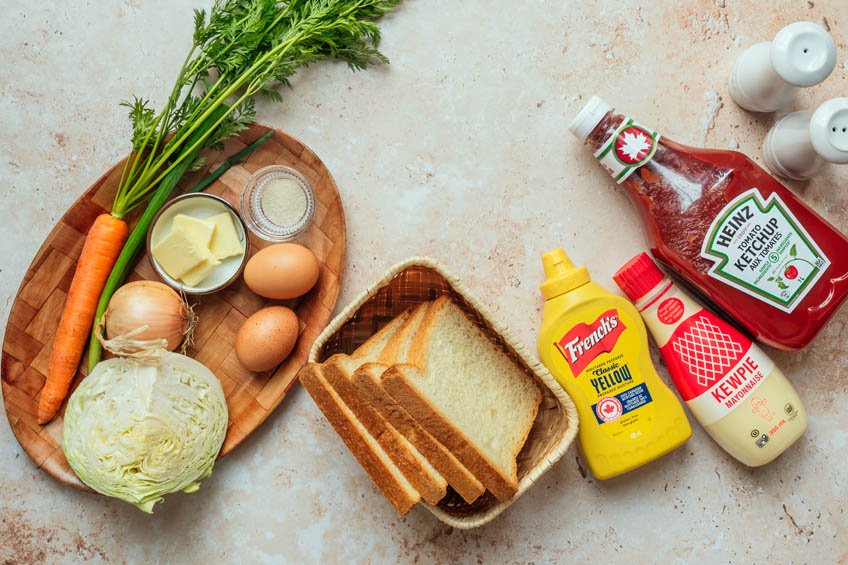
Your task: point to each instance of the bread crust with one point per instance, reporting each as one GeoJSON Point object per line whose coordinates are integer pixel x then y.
{"type": "Point", "coordinates": [463, 482]}
{"type": "Point", "coordinates": [332, 407]}
{"type": "Point", "coordinates": [384, 333]}
{"type": "Point", "coordinates": [402, 389]}
{"type": "Point", "coordinates": [390, 353]}
{"type": "Point", "coordinates": [417, 357]}
{"type": "Point", "coordinates": [432, 487]}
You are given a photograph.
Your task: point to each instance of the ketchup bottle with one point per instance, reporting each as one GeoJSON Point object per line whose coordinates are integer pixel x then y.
{"type": "Point", "coordinates": [721, 222]}
{"type": "Point", "coordinates": [733, 389]}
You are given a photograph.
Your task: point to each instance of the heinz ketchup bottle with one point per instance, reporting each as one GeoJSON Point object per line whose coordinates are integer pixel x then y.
{"type": "Point", "coordinates": [724, 224]}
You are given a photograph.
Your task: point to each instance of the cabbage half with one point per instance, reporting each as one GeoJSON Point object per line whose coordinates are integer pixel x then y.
{"type": "Point", "coordinates": [138, 432]}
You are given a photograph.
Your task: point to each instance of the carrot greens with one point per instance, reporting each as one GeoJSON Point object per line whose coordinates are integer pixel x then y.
{"type": "Point", "coordinates": [240, 49]}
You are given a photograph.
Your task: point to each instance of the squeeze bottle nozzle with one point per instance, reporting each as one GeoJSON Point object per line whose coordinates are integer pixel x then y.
{"type": "Point", "coordinates": [560, 273]}
{"type": "Point", "coordinates": [767, 75]}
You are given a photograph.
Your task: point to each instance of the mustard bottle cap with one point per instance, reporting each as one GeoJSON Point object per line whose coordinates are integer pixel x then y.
{"type": "Point", "coordinates": [561, 275]}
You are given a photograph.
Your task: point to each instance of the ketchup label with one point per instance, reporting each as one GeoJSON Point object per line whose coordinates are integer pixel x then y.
{"type": "Point", "coordinates": [714, 366]}
{"type": "Point", "coordinates": [582, 343]}
{"type": "Point", "coordinates": [759, 247]}
{"type": "Point", "coordinates": [630, 147]}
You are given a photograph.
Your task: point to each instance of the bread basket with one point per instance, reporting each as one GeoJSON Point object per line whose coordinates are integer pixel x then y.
{"type": "Point", "coordinates": [420, 279]}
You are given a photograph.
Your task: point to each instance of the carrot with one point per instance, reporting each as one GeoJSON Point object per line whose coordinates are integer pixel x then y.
{"type": "Point", "coordinates": [102, 245]}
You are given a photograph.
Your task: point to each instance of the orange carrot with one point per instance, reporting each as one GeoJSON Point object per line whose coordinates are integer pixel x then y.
{"type": "Point", "coordinates": [101, 249]}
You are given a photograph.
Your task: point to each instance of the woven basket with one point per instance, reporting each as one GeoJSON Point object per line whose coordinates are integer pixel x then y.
{"type": "Point", "coordinates": [420, 279]}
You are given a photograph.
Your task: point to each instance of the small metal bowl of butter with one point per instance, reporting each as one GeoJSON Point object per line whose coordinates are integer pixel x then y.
{"type": "Point", "coordinates": [197, 243]}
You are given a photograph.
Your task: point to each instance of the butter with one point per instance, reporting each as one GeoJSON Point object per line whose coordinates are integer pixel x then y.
{"type": "Point", "coordinates": [201, 230]}
{"type": "Point", "coordinates": [196, 275]}
{"type": "Point", "coordinates": [178, 253]}
{"type": "Point", "coordinates": [225, 241]}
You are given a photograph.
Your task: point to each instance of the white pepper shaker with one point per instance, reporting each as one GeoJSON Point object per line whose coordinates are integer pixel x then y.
{"type": "Point", "coordinates": [800, 144]}
{"type": "Point", "coordinates": [767, 75]}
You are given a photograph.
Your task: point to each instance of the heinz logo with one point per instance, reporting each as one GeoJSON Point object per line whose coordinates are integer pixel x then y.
{"type": "Point", "coordinates": [584, 342]}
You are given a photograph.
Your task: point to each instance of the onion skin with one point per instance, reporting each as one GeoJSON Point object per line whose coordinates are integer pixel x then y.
{"type": "Point", "coordinates": [149, 303]}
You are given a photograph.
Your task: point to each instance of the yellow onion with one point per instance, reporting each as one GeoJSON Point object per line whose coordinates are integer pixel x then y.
{"type": "Point", "coordinates": [151, 304]}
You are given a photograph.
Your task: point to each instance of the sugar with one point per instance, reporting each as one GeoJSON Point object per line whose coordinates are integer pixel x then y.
{"type": "Point", "coordinates": [283, 202]}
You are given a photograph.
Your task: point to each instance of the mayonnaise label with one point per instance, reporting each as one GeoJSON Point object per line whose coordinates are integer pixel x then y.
{"type": "Point", "coordinates": [722, 365]}
{"type": "Point", "coordinates": [737, 393]}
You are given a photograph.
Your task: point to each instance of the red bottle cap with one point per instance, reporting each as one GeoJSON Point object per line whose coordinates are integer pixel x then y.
{"type": "Point", "coordinates": [638, 277]}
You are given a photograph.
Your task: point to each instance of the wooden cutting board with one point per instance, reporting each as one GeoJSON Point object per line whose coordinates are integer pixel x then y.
{"type": "Point", "coordinates": [251, 397]}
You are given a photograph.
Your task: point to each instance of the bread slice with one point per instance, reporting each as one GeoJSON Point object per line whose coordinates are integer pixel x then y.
{"type": "Point", "coordinates": [367, 379]}
{"type": "Point", "coordinates": [465, 391]}
{"type": "Point", "coordinates": [379, 466]}
{"type": "Point", "coordinates": [338, 371]}
{"type": "Point", "coordinates": [398, 345]}
{"type": "Point", "coordinates": [370, 390]}
{"type": "Point", "coordinates": [375, 344]}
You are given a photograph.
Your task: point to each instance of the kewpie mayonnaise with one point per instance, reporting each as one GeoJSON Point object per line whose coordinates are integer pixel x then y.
{"type": "Point", "coordinates": [733, 389]}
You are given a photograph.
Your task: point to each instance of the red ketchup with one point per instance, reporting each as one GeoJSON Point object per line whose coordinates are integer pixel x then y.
{"type": "Point", "coordinates": [725, 225]}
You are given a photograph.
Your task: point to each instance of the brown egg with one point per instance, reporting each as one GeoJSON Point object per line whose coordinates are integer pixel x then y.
{"type": "Point", "coordinates": [267, 338]}
{"type": "Point", "coordinates": [282, 271]}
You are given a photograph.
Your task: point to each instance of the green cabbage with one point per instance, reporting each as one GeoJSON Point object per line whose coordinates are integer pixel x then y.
{"type": "Point", "coordinates": [138, 432]}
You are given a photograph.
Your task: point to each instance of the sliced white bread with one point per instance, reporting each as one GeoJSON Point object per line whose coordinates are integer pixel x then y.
{"type": "Point", "coordinates": [465, 391]}
{"type": "Point", "coordinates": [398, 345]}
{"type": "Point", "coordinates": [376, 462]}
{"type": "Point", "coordinates": [367, 379]}
{"type": "Point", "coordinates": [375, 344]}
{"type": "Point", "coordinates": [338, 371]}
{"type": "Point", "coordinates": [460, 478]}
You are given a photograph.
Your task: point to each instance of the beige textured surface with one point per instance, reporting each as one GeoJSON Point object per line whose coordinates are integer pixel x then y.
{"type": "Point", "coordinates": [458, 150]}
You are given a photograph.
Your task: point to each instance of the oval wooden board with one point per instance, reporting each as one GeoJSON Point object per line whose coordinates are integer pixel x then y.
{"type": "Point", "coordinates": [38, 305]}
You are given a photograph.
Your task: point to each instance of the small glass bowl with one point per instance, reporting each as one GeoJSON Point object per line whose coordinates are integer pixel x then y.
{"type": "Point", "coordinates": [251, 204]}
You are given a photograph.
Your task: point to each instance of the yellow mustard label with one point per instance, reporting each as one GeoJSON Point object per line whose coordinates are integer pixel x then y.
{"type": "Point", "coordinates": [600, 354]}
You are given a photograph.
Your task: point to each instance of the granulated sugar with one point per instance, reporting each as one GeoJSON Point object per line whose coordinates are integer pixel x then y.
{"type": "Point", "coordinates": [283, 202]}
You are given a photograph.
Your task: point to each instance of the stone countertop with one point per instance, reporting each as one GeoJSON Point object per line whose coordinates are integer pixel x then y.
{"type": "Point", "coordinates": [458, 150]}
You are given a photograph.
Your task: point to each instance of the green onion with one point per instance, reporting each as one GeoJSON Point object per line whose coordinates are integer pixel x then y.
{"type": "Point", "coordinates": [136, 241]}
{"type": "Point", "coordinates": [230, 162]}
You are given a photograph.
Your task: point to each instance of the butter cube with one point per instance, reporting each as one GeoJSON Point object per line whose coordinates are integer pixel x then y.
{"type": "Point", "coordinates": [225, 240]}
{"type": "Point", "coordinates": [200, 230]}
{"type": "Point", "coordinates": [178, 253]}
{"type": "Point", "coordinates": [200, 272]}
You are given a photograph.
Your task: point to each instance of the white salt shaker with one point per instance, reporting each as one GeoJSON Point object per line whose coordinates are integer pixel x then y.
{"type": "Point", "coordinates": [800, 144]}
{"type": "Point", "coordinates": [767, 75]}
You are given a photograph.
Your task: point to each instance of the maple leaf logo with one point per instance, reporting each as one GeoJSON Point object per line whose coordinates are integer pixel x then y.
{"type": "Point", "coordinates": [608, 409]}
{"type": "Point", "coordinates": [633, 145]}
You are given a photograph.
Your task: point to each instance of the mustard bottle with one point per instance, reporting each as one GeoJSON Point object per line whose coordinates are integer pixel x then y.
{"type": "Point", "coordinates": [596, 346]}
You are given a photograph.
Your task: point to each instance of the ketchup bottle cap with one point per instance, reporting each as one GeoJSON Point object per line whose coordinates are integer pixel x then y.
{"type": "Point", "coordinates": [589, 117]}
{"type": "Point", "coordinates": [638, 277]}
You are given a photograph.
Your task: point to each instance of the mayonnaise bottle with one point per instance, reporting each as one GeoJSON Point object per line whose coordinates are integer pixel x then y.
{"type": "Point", "coordinates": [733, 389]}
